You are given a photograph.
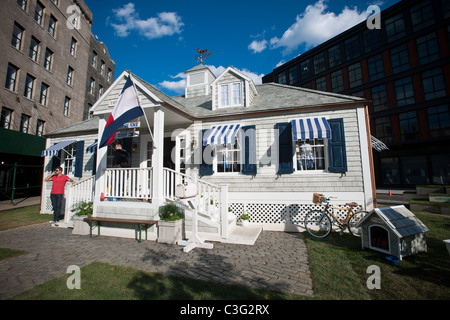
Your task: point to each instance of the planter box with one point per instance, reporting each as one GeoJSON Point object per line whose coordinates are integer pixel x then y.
{"type": "Point", "coordinates": [410, 195]}
{"type": "Point", "coordinates": [433, 208]}
{"type": "Point", "coordinates": [80, 227]}
{"type": "Point", "coordinates": [426, 190]}
{"type": "Point", "coordinates": [439, 197]}
{"type": "Point", "coordinates": [170, 231]}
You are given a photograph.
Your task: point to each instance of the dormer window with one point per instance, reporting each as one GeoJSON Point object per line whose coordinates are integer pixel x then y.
{"type": "Point", "coordinates": [231, 94]}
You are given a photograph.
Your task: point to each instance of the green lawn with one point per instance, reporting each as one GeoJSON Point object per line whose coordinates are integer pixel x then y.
{"type": "Point", "coordinates": [20, 217]}
{"type": "Point", "coordinates": [338, 267]}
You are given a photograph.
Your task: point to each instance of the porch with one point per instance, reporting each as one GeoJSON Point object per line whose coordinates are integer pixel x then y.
{"type": "Point", "coordinates": [128, 193]}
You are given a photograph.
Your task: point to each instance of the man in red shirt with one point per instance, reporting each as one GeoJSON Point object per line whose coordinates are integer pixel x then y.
{"type": "Point", "coordinates": [57, 193]}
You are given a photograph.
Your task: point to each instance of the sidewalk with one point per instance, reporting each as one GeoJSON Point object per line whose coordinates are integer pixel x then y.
{"type": "Point", "coordinates": [19, 203]}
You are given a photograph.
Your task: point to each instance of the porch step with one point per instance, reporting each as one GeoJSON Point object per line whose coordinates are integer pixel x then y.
{"type": "Point", "coordinates": [126, 210]}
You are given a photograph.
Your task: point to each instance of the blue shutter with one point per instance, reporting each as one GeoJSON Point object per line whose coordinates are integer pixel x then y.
{"type": "Point", "coordinates": [336, 147]}
{"type": "Point", "coordinates": [285, 150]}
{"type": "Point", "coordinates": [205, 169]}
{"type": "Point", "coordinates": [78, 172]}
{"type": "Point", "coordinates": [249, 152]}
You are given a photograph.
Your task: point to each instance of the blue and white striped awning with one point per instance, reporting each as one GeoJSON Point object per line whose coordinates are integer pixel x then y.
{"type": "Point", "coordinates": [223, 134]}
{"type": "Point", "coordinates": [310, 128]}
{"type": "Point", "coordinates": [54, 149]}
{"type": "Point", "coordinates": [378, 145]}
{"type": "Point", "coordinates": [92, 148]}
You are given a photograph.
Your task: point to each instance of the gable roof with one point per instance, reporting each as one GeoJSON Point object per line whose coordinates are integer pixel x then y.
{"type": "Point", "coordinates": [399, 219]}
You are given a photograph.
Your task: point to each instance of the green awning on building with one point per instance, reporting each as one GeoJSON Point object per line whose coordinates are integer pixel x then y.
{"type": "Point", "coordinates": [16, 142]}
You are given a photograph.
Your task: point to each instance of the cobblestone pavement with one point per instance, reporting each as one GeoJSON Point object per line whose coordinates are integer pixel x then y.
{"type": "Point", "coordinates": [277, 261]}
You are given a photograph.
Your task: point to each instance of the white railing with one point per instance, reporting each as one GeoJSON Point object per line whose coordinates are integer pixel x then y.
{"type": "Point", "coordinates": [81, 191]}
{"type": "Point", "coordinates": [128, 183]}
{"type": "Point", "coordinates": [213, 199]}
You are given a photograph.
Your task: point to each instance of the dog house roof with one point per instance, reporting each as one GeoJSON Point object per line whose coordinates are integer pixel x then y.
{"type": "Point", "coordinates": [399, 219]}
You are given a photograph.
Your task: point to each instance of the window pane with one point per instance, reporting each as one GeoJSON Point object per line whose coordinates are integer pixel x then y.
{"type": "Point", "coordinates": [399, 59]}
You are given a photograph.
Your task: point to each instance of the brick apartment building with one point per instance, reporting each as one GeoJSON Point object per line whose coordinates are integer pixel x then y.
{"type": "Point", "coordinates": [403, 68]}
{"type": "Point", "coordinates": [51, 73]}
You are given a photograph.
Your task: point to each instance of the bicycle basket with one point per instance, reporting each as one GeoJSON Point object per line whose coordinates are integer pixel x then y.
{"type": "Point", "coordinates": [317, 198]}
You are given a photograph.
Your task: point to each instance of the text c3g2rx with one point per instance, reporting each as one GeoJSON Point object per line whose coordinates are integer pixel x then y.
{"type": "Point", "coordinates": [246, 309]}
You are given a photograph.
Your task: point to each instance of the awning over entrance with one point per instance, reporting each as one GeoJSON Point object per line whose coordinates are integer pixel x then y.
{"type": "Point", "coordinates": [224, 134]}
{"type": "Point", "coordinates": [54, 149]}
{"type": "Point", "coordinates": [310, 128]}
{"type": "Point", "coordinates": [378, 145]}
{"type": "Point", "coordinates": [92, 148]}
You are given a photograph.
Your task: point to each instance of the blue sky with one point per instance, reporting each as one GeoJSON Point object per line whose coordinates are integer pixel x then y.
{"type": "Point", "coordinates": [158, 40]}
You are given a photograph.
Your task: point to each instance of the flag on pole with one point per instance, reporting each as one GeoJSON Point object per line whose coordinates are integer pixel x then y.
{"type": "Point", "coordinates": [126, 109]}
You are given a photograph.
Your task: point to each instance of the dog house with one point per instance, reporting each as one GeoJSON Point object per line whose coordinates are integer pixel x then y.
{"type": "Point", "coordinates": [393, 230]}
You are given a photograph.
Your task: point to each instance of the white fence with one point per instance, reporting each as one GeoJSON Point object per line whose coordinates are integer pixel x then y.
{"type": "Point", "coordinates": [128, 183]}
{"type": "Point", "coordinates": [81, 191]}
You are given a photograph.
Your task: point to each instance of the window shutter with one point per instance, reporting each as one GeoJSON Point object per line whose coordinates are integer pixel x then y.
{"type": "Point", "coordinates": [78, 171]}
{"type": "Point", "coordinates": [249, 150]}
{"type": "Point", "coordinates": [336, 147]}
{"type": "Point", "coordinates": [205, 169]}
{"type": "Point", "coordinates": [285, 150]}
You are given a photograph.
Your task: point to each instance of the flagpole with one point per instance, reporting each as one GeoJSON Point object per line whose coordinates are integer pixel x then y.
{"type": "Point", "coordinates": [143, 111]}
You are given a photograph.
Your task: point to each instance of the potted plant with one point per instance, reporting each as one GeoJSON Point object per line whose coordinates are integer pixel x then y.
{"type": "Point", "coordinates": [245, 219]}
{"type": "Point", "coordinates": [170, 225]}
{"type": "Point", "coordinates": [83, 209]}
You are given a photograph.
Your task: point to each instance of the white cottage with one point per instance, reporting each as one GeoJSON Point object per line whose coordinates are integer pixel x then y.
{"type": "Point", "coordinates": [259, 149]}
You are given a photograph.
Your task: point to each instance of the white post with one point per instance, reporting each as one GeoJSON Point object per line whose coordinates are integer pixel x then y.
{"type": "Point", "coordinates": [158, 157]}
{"type": "Point", "coordinates": [101, 166]}
{"type": "Point", "coordinates": [224, 210]}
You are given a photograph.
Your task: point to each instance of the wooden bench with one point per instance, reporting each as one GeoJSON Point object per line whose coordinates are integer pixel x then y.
{"type": "Point", "coordinates": [95, 221]}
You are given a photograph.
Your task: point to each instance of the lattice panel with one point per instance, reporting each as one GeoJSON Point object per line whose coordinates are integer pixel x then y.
{"type": "Point", "coordinates": [281, 213]}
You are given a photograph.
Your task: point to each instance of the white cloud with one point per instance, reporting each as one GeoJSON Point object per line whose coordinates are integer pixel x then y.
{"type": "Point", "coordinates": [178, 86]}
{"type": "Point", "coordinates": [128, 20]}
{"type": "Point", "coordinates": [316, 25]}
{"type": "Point", "coordinates": [258, 46]}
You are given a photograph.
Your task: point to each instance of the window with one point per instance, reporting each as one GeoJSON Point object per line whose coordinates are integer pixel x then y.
{"type": "Point", "coordinates": [409, 126]}
{"type": "Point", "coordinates": [66, 106]}
{"type": "Point", "coordinates": [91, 86]}
{"type": "Point", "coordinates": [379, 98]}
{"type": "Point", "coordinates": [24, 123]}
{"type": "Point", "coordinates": [39, 13]}
{"type": "Point", "coordinates": [29, 86]}
{"type": "Point", "coordinates": [422, 15]}
{"type": "Point", "coordinates": [6, 118]}
{"type": "Point", "coordinates": [69, 78]}
{"type": "Point", "coordinates": [94, 59]}
{"type": "Point", "coordinates": [17, 36]}
{"type": "Point", "coordinates": [102, 67]}
{"type": "Point", "coordinates": [335, 55]}
{"type": "Point", "coordinates": [34, 49]}
{"type": "Point", "coordinates": [337, 82]}
{"type": "Point", "coordinates": [44, 94]}
{"type": "Point", "coordinates": [439, 121]}
{"type": "Point", "coordinates": [48, 59]}
{"type": "Point", "coordinates": [229, 156]}
{"type": "Point", "coordinates": [310, 154]}
{"type": "Point", "coordinates": [375, 66]}
{"type": "Point", "coordinates": [40, 128]}
{"type": "Point", "coordinates": [293, 75]}
{"type": "Point", "coordinates": [399, 59]}
{"type": "Point", "coordinates": [52, 26]}
{"type": "Point", "coordinates": [73, 47]}
{"type": "Point", "coordinates": [231, 94]}
{"type": "Point", "coordinates": [427, 48]}
{"type": "Point", "coordinates": [355, 75]}
{"type": "Point", "coordinates": [305, 69]}
{"type": "Point", "coordinates": [404, 91]}
{"type": "Point", "coordinates": [88, 111]}
{"type": "Point", "coordinates": [109, 76]}
{"type": "Point", "coordinates": [11, 77]}
{"type": "Point", "coordinates": [100, 90]}
{"type": "Point", "coordinates": [282, 79]}
{"type": "Point", "coordinates": [383, 129]}
{"type": "Point", "coordinates": [22, 4]}
{"type": "Point", "coordinates": [372, 39]}
{"type": "Point", "coordinates": [352, 49]}
{"type": "Point", "coordinates": [55, 2]}
{"type": "Point", "coordinates": [321, 83]}
{"type": "Point", "coordinates": [319, 63]}
{"type": "Point", "coordinates": [395, 28]}
{"type": "Point", "coordinates": [69, 158]}
{"type": "Point", "coordinates": [433, 84]}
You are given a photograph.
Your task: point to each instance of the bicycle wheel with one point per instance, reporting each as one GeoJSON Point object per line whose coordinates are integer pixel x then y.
{"type": "Point", "coordinates": [318, 224]}
{"type": "Point", "coordinates": [353, 222]}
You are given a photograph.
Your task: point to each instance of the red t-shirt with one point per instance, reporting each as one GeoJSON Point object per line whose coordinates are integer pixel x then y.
{"type": "Point", "coordinates": [58, 184]}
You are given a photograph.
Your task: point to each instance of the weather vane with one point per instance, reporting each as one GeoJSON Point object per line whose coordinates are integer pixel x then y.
{"type": "Point", "coordinates": [202, 55]}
